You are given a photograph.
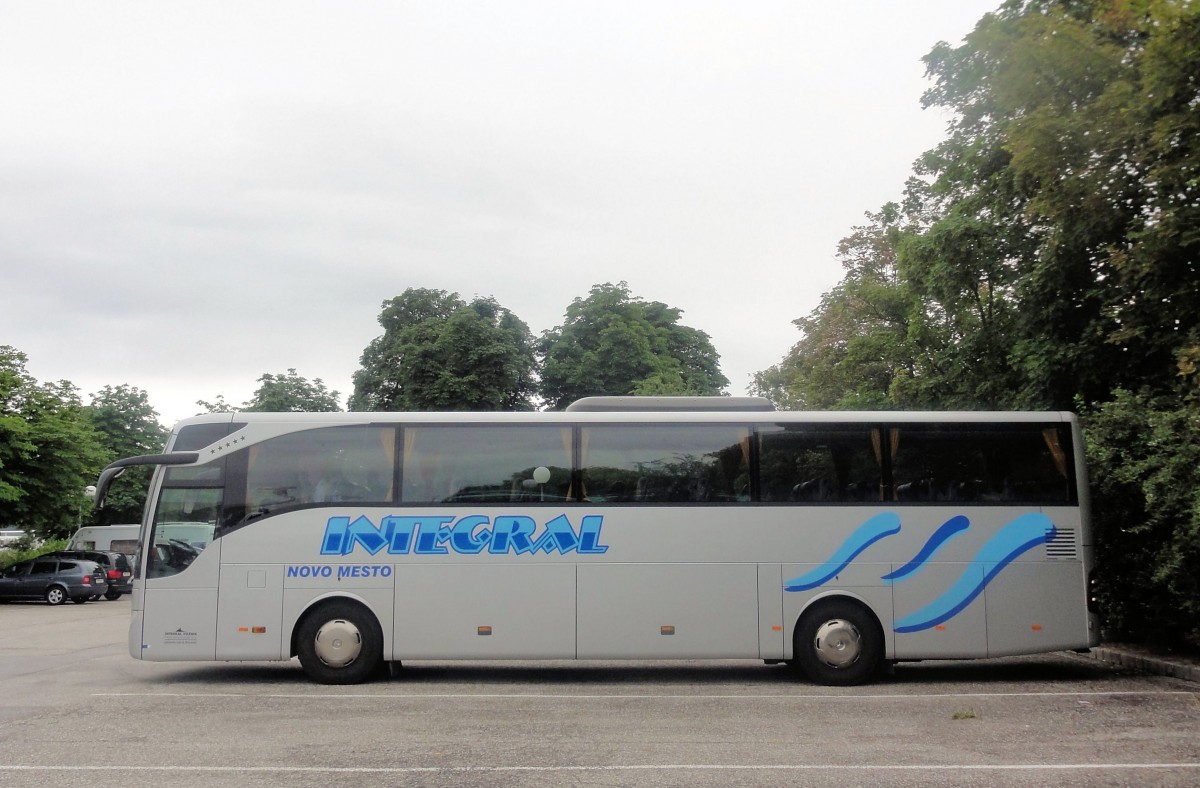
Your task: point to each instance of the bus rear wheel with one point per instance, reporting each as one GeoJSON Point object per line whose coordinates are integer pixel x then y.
{"type": "Point", "coordinates": [339, 642]}
{"type": "Point", "coordinates": [838, 642]}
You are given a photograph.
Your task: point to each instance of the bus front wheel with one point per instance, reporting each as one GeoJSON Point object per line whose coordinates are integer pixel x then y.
{"type": "Point", "coordinates": [339, 642]}
{"type": "Point", "coordinates": [838, 642]}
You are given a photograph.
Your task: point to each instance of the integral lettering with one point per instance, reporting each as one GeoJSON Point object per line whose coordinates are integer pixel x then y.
{"type": "Point", "coordinates": [470, 535]}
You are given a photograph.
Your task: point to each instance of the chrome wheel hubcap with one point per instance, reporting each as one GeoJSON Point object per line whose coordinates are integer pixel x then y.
{"type": "Point", "coordinates": [338, 643]}
{"type": "Point", "coordinates": [838, 643]}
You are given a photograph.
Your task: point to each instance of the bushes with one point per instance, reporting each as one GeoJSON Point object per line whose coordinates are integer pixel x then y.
{"type": "Point", "coordinates": [1144, 462]}
{"type": "Point", "coordinates": [9, 557]}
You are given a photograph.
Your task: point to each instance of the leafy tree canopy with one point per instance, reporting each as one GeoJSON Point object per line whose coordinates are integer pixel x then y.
{"type": "Point", "coordinates": [1075, 150]}
{"type": "Point", "coordinates": [291, 393]}
{"type": "Point", "coordinates": [439, 352]}
{"type": "Point", "coordinates": [856, 351]}
{"type": "Point", "coordinates": [1144, 463]}
{"type": "Point", "coordinates": [15, 445]}
{"type": "Point", "coordinates": [127, 426]}
{"type": "Point", "coordinates": [1047, 250]}
{"type": "Point", "coordinates": [613, 343]}
{"type": "Point", "coordinates": [49, 451]}
{"type": "Point", "coordinates": [284, 393]}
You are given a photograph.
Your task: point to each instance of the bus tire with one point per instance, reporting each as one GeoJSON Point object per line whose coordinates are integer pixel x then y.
{"type": "Point", "coordinates": [838, 643]}
{"type": "Point", "coordinates": [339, 642]}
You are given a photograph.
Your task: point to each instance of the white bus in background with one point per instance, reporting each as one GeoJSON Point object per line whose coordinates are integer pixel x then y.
{"type": "Point", "coordinates": [632, 528]}
{"type": "Point", "coordinates": [121, 538]}
{"type": "Point", "coordinates": [10, 536]}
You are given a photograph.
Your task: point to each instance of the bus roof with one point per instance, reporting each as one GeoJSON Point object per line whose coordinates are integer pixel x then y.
{"type": "Point", "coordinates": [290, 421]}
{"type": "Point", "coordinates": [663, 404]}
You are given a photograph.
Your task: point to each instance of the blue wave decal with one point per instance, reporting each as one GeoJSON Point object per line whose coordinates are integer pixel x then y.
{"type": "Point", "coordinates": [951, 528]}
{"type": "Point", "coordinates": [1018, 537]}
{"type": "Point", "coordinates": [868, 533]}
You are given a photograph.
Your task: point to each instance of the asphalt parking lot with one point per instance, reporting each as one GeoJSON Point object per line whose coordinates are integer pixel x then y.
{"type": "Point", "coordinates": [77, 710]}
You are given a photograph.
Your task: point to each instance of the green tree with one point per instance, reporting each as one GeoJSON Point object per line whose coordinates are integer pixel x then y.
{"type": "Point", "coordinates": [1055, 254]}
{"type": "Point", "coordinates": [15, 446]}
{"type": "Point", "coordinates": [613, 343]}
{"type": "Point", "coordinates": [439, 352]}
{"type": "Point", "coordinates": [50, 453]}
{"type": "Point", "coordinates": [291, 393]}
{"type": "Point", "coordinates": [1075, 145]}
{"type": "Point", "coordinates": [218, 405]}
{"type": "Point", "coordinates": [1144, 462]}
{"type": "Point", "coordinates": [127, 426]}
{"type": "Point", "coordinates": [283, 393]}
{"type": "Point", "coordinates": [856, 351]}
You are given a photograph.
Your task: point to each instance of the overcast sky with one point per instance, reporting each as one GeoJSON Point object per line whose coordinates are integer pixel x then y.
{"type": "Point", "coordinates": [194, 194]}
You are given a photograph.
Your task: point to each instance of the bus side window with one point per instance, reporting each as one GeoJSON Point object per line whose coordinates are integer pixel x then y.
{"type": "Point", "coordinates": [937, 463]}
{"type": "Point", "coordinates": [967, 463]}
{"type": "Point", "coordinates": [486, 463]}
{"type": "Point", "coordinates": [330, 465]}
{"type": "Point", "coordinates": [819, 464]}
{"type": "Point", "coordinates": [665, 463]}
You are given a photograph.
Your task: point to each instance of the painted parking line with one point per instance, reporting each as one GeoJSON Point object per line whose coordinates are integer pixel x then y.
{"type": "Point", "coordinates": [647, 696]}
{"type": "Point", "coordinates": [673, 767]}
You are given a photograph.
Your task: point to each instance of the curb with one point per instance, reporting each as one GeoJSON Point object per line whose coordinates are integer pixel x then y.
{"type": "Point", "coordinates": [1155, 665]}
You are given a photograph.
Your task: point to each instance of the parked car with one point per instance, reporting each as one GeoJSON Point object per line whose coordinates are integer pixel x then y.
{"type": "Point", "coordinates": [116, 567]}
{"type": "Point", "coordinates": [54, 579]}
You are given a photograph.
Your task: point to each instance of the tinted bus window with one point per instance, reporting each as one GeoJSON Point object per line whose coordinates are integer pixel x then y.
{"type": "Point", "coordinates": [672, 463]}
{"type": "Point", "coordinates": [180, 511]}
{"type": "Point", "coordinates": [820, 464]}
{"type": "Point", "coordinates": [191, 497]}
{"type": "Point", "coordinates": [197, 436]}
{"type": "Point", "coordinates": [192, 438]}
{"type": "Point", "coordinates": [982, 464]}
{"type": "Point", "coordinates": [486, 463]}
{"type": "Point", "coordinates": [351, 464]}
